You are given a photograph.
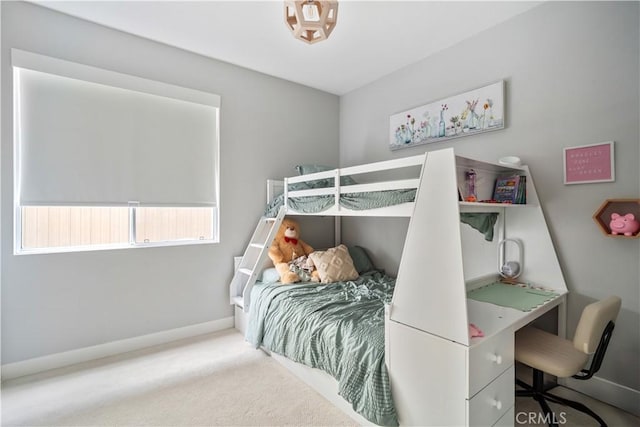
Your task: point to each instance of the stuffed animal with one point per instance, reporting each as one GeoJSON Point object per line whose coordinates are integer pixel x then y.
{"type": "Point", "coordinates": [287, 251]}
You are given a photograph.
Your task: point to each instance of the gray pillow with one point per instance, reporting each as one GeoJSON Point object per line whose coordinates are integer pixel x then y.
{"type": "Point", "coordinates": [326, 182]}
{"type": "Point", "coordinates": [270, 275]}
{"type": "Point", "coordinates": [361, 260]}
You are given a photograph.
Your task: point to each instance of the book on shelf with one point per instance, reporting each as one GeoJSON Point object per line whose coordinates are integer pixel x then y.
{"type": "Point", "coordinates": [511, 189]}
{"type": "Point", "coordinates": [521, 197]}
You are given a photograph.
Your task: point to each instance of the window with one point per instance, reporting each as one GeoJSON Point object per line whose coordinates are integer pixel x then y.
{"type": "Point", "coordinates": [109, 227]}
{"type": "Point", "coordinates": [64, 226]}
{"type": "Point", "coordinates": [107, 160]}
{"type": "Point", "coordinates": [155, 225]}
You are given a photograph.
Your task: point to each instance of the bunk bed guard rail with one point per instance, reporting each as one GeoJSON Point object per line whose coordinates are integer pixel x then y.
{"type": "Point", "coordinates": [337, 174]}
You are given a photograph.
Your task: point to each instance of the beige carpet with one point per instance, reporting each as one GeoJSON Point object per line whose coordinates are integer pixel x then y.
{"type": "Point", "coordinates": [211, 380]}
{"type": "Point", "coordinates": [215, 379]}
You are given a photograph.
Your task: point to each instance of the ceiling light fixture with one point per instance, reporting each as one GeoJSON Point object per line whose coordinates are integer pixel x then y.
{"type": "Point", "coordinates": [311, 20]}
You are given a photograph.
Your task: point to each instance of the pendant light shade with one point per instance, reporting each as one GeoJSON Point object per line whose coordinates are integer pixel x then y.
{"type": "Point", "coordinates": [311, 20]}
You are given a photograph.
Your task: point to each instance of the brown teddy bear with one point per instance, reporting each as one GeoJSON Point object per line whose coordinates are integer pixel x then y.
{"type": "Point", "coordinates": [289, 253]}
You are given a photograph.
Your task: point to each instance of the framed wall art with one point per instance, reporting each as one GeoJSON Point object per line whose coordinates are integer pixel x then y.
{"type": "Point", "coordinates": [591, 163]}
{"type": "Point", "coordinates": [469, 113]}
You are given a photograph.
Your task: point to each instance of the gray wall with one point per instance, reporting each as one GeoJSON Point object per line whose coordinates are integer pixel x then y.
{"type": "Point", "coordinates": [59, 302]}
{"type": "Point", "coordinates": [571, 72]}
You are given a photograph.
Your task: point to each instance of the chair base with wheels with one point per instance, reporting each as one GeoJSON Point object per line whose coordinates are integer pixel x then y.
{"type": "Point", "coordinates": [538, 392]}
{"type": "Point", "coordinates": [545, 352]}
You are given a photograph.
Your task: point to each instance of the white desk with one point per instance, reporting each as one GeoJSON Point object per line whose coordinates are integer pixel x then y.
{"type": "Point", "coordinates": [494, 319]}
{"type": "Point", "coordinates": [461, 384]}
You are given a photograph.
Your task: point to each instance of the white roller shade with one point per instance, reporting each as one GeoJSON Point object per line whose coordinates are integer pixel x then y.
{"type": "Point", "coordinates": [93, 137]}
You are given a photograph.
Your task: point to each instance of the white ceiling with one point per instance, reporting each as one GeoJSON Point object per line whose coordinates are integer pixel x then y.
{"type": "Point", "coordinates": [371, 38]}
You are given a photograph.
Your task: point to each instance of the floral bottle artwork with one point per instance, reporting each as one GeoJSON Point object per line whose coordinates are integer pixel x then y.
{"type": "Point", "coordinates": [472, 116]}
{"type": "Point", "coordinates": [434, 127]}
{"type": "Point", "coordinates": [454, 121]}
{"type": "Point", "coordinates": [490, 112]}
{"type": "Point", "coordinates": [400, 134]}
{"type": "Point", "coordinates": [411, 121]}
{"type": "Point", "coordinates": [426, 125]}
{"type": "Point", "coordinates": [482, 121]}
{"type": "Point", "coordinates": [469, 113]}
{"type": "Point", "coordinates": [463, 120]}
{"type": "Point", "coordinates": [407, 133]}
{"type": "Point", "coordinates": [442, 124]}
{"type": "Point", "coordinates": [486, 120]}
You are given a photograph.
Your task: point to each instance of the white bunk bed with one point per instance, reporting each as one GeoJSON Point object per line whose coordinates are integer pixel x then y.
{"type": "Point", "coordinates": [438, 374]}
{"type": "Point", "coordinates": [337, 209]}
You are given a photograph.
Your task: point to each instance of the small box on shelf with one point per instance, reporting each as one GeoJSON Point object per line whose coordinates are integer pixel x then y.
{"type": "Point", "coordinates": [619, 218]}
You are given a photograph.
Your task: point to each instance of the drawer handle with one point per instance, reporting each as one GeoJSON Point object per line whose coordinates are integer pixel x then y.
{"type": "Point", "coordinates": [496, 358]}
{"type": "Point", "coordinates": [497, 404]}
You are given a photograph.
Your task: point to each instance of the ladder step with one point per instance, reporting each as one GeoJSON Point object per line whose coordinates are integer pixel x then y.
{"type": "Point", "coordinates": [244, 278]}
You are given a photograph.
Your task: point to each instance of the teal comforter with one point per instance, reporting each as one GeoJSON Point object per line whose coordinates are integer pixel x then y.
{"type": "Point", "coordinates": [339, 328]}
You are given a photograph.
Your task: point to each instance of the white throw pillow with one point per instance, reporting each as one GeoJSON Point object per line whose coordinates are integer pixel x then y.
{"type": "Point", "coordinates": [334, 265]}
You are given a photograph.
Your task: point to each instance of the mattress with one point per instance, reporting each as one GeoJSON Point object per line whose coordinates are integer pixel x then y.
{"type": "Point", "coordinates": [336, 327]}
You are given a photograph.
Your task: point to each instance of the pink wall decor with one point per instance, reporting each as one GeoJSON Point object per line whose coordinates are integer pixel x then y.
{"type": "Point", "coordinates": [589, 163]}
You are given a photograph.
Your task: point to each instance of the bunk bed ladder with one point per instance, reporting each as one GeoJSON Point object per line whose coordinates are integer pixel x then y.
{"type": "Point", "coordinates": [254, 259]}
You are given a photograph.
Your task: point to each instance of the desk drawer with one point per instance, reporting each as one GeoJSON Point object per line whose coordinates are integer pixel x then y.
{"type": "Point", "coordinates": [495, 400]}
{"type": "Point", "coordinates": [508, 419]}
{"type": "Point", "coordinates": [488, 360]}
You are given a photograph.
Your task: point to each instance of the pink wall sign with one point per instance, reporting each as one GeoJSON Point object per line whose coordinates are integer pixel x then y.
{"type": "Point", "coordinates": [589, 163]}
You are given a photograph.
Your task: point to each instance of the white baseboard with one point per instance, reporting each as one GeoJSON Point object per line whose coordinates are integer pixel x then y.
{"type": "Point", "coordinates": [607, 391]}
{"type": "Point", "coordinates": [58, 360]}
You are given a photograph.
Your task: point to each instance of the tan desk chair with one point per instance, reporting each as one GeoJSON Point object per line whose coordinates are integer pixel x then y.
{"type": "Point", "coordinates": [545, 352]}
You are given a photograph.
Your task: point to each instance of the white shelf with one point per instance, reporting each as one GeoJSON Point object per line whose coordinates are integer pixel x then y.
{"type": "Point", "coordinates": [496, 205]}
{"type": "Point", "coordinates": [435, 243]}
{"type": "Point", "coordinates": [486, 175]}
{"type": "Point", "coordinates": [466, 163]}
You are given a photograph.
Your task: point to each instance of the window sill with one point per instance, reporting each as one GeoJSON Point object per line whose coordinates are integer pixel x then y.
{"type": "Point", "coordinates": [68, 249]}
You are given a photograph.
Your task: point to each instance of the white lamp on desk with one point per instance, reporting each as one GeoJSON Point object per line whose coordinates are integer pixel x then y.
{"type": "Point", "coordinates": [510, 270]}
